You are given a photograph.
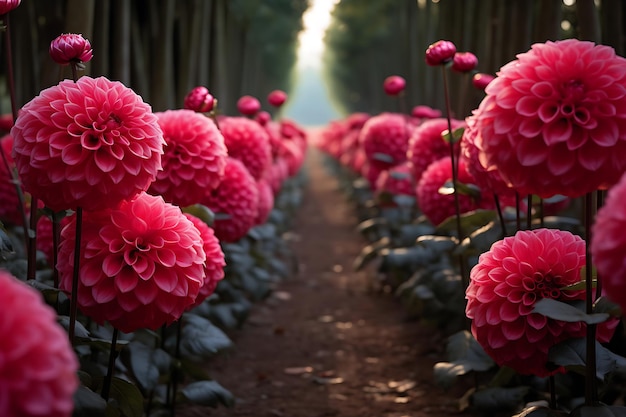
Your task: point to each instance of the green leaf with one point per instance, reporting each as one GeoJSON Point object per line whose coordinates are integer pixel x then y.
{"type": "Point", "coordinates": [370, 252]}
{"type": "Point", "coordinates": [572, 354]}
{"type": "Point", "coordinates": [499, 398]}
{"type": "Point", "coordinates": [202, 212]}
{"type": "Point", "coordinates": [438, 244]}
{"type": "Point", "coordinates": [128, 397]}
{"type": "Point", "coordinates": [480, 240]}
{"type": "Point", "coordinates": [200, 338]}
{"type": "Point", "coordinates": [88, 404]}
{"type": "Point", "coordinates": [383, 157]}
{"type": "Point", "coordinates": [465, 355]}
{"type": "Point", "coordinates": [470, 222]}
{"type": "Point", "coordinates": [50, 294]}
{"type": "Point", "coordinates": [537, 411]}
{"type": "Point", "coordinates": [146, 363]}
{"type": "Point", "coordinates": [208, 393]}
{"type": "Point", "coordinates": [559, 310]}
{"type": "Point", "coordinates": [599, 410]}
{"type": "Point", "coordinates": [79, 330]}
{"type": "Point", "coordinates": [470, 190]}
{"type": "Point", "coordinates": [456, 136]}
{"type": "Point", "coordinates": [6, 246]}
{"type": "Point", "coordinates": [370, 224]}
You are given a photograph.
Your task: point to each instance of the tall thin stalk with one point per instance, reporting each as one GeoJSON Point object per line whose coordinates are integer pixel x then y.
{"type": "Point", "coordinates": [591, 390]}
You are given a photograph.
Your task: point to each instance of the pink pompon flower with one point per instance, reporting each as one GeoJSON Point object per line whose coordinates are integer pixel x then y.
{"type": "Point", "coordinates": [194, 158]}
{"type": "Point", "coordinates": [608, 244]}
{"type": "Point", "coordinates": [506, 283]}
{"type": "Point", "coordinates": [215, 262]}
{"type": "Point", "coordinates": [440, 52]}
{"type": "Point", "coordinates": [394, 85]}
{"type": "Point", "coordinates": [38, 366]}
{"type": "Point", "coordinates": [397, 180]}
{"type": "Point", "coordinates": [70, 48]}
{"type": "Point", "coordinates": [385, 138]}
{"type": "Point", "coordinates": [263, 118]}
{"type": "Point", "coordinates": [266, 201]}
{"type": "Point", "coordinates": [464, 62]}
{"type": "Point", "coordinates": [248, 105]}
{"type": "Point", "coordinates": [7, 5]}
{"type": "Point", "coordinates": [426, 144]}
{"type": "Point", "coordinates": [142, 263]}
{"type": "Point", "coordinates": [437, 206]}
{"type": "Point", "coordinates": [425, 112]}
{"type": "Point", "coordinates": [200, 100]}
{"type": "Point", "coordinates": [249, 142]}
{"type": "Point", "coordinates": [554, 120]}
{"type": "Point", "coordinates": [277, 98]}
{"type": "Point", "coordinates": [482, 80]}
{"type": "Point", "coordinates": [89, 144]}
{"type": "Point", "coordinates": [234, 202]}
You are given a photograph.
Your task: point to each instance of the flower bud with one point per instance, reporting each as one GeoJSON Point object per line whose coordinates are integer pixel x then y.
{"type": "Point", "coordinates": [248, 105]}
{"type": "Point", "coordinates": [394, 85]}
{"type": "Point", "coordinates": [263, 118]}
{"type": "Point", "coordinates": [199, 100]}
{"type": "Point", "coordinates": [70, 48]}
{"type": "Point", "coordinates": [425, 112]}
{"type": "Point", "coordinates": [481, 80]}
{"type": "Point", "coordinates": [277, 98]}
{"type": "Point", "coordinates": [440, 52]}
{"type": "Point", "coordinates": [464, 62]}
{"type": "Point", "coordinates": [7, 5]}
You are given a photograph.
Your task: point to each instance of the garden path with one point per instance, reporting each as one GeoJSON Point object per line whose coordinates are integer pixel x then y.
{"type": "Point", "coordinates": [325, 344]}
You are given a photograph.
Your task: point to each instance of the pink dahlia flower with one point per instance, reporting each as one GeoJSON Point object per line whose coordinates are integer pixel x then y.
{"type": "Point", "coordinates": [277, 173]}
{"type": "Point", "coordinates": [215, 263]}
{"type": "Point", "coordinates": [277, 98]}
{"type": "Point", "coordinates": [427, 146]}
{"type": "Point", "coordinates": [266, 201]}
{"type": "Point", "coordinates": [397, 180]}
{"type": "Point", "coordinates": [504, 287]}
{"type": "Point", "coordinates": [608, 244]}
{"type": "Point", "coordinates": [142, 263]}
{"type": "Point", "coordinates": [200, 100]}
{"type": "Point", "coordinates": [248, 105]}
{"type": "Point", "coordinates": [425, 112]}
{"type": "Point", "coordinates": [437, 206]}
{"type": "Point", "coordinates": [464, 62]}
{"type": "Point", "coordinates": [7, 5]}
{"type": "Point", "coordinates": [394, 85]}
{"type": "Point", "coordinates": [385, 139]}
{"type": "Point", "coordinates": [38, 367]}
{"type": "Point", "coordinates": [70, 48]}
{"type": "Point", "coordinates": [371, 174]}
{"type": "Point", "coordinates": [234, 202]}
{"type": "Point", "coordinates": [194, 158]}
{"type": "Point", "coordinates": [247, 141]}
{"type": "Point", "coordinates": [89, 144]}
{"type": "Point", "coordinates": [554, 120]}
{"type": "Point", "coordinates": [440, 53]}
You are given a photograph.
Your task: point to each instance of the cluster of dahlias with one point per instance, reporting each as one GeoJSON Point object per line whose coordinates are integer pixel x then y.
{"type": "Point", "coordinates": [552, 123]}
{"type": "Point", "coordinates": [94, 148]}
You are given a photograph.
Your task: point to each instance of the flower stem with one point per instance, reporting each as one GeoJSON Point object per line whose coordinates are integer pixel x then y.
{"type": "Point", "coordinates": [496, 200]}
{"type": "Point", "coordinates": [74, 296]}
{"type": "Point", "coordinates": [31, 231]}
{"type": "Point", "coordinates": [106, 385]}
{"type": "Point", "coordinates": [175, 371]}
{"type": "Point", "coordinates": [552, 386]}
{"type": "Point", "coordinates": [529, 212]}
{"type": "Point", "coordinates": [518, 219]}
{"type": "Point", "coordinates": [599, 204]}
{"type": "Point", "coordinates": [591, 391]}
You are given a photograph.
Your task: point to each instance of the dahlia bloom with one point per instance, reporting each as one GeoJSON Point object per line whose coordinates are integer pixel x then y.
{"type": "Point", "coordinates": [265, 203]}
{"type": "Point", "coordinates": [194, 158]}
{"type": "Point", "coordinates": [277, 173]}
{"type": "Point", "coordinates": [142, 263]}
{"type": "Point", "coordinates": [554, 120]}
{"type": "Point", "coordinates": [385, 139]}
{"type": "Point", "coordinates": [394, 85]}
{"type": "Point", "coordinates": [464, 62]}
{"type": "Point", "coordinates": [247, 141]}
{"type": "Point", "coordinates": [481, 80]}
{"type": "Point", "coordinates": [608, 244]}
{"type": "Point", "coordinates": [277, 98]}
{"type": "Point", "coordinates": [200, 100]}
{"type": "Point", "coordinates": [38, 367]}
{"type": "Point", "coordinates": [436, 206]}
{"type": "Point", "coordinates": [504, 286]}
{"type": "Point", "coordinates": [234, 202]}
{"type": "Point", "coordinates": [427, 146]}
{"type": "Point", "coordinates": [7, 5]}
{"type": "Point", "coordinates": [89, 144]}
{"type": "Point", "coordinates": [248, 105]}
{"type": "Point", "coordinates": [425, 112]}
{"type": "Point", "coordinates": [397, 180]}
{"type": "Point", "coordinates": [440, 53]}
{"type": "Point", "coordinates": [215, 262]}
{"type": "Point", "coordinates": [70, 48]}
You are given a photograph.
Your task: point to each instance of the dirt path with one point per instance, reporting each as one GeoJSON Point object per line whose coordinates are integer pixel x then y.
{"type": "Point", "coordinates": [323, 345]}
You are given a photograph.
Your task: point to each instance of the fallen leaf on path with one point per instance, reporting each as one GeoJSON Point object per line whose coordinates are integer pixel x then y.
{"type": "Point", "coordinates": [298, 370]}
{"type": "Point", "coordinates": [326, 318]}
{"type": "Point", "coordinates": [328, 381]}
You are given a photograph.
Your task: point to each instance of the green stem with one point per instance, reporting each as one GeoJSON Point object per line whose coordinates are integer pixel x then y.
{"type": "Point", "coordinates": [175, 371]}
{"type": "Point", "coordinates": [496, 200]}
{"type": "Point", "coordinates": [529, 212]}
{"type": "Point", "coordinates": [591, 391]}
{"type": "Point", "coordinates": [106, 385]}
{"type": "Point", "coordinates": [74, 295]}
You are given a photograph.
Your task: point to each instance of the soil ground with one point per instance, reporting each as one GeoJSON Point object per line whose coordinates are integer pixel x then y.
{"type": "Point", "coordinates": [325, 344]}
